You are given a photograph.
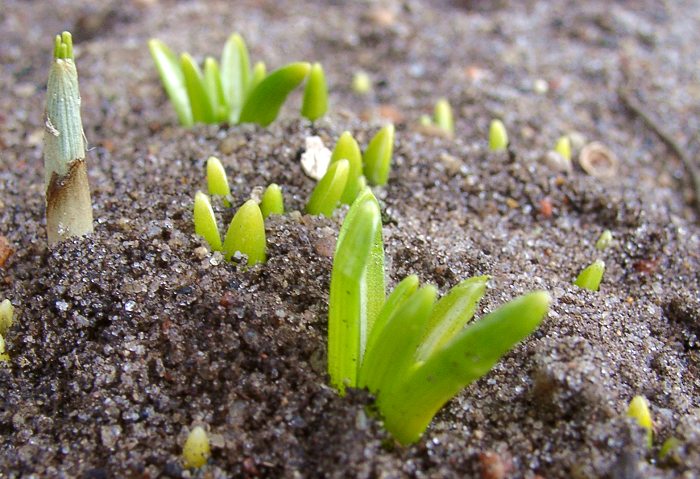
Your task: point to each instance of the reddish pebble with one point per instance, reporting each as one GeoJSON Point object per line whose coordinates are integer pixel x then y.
{"type": "Point", "coordinates": [546, 207]}
{"type": "Point", "coordinates": [492, 466]}
{"type": "Point", "coordinates": [646, 266]}
{"type": "Point", "coordinates": [5, 250]}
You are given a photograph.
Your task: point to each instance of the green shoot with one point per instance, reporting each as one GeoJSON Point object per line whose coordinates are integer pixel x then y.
{"type": "Point", "coordinates": [669, 449]}
{"type": "Point", "coordinates": [357, 289]}
{"type": "Point", "coordinates": [205, 221]}
{"type": "Point", "coordinates": [246, 234]}
{"type": "Point", "coordinates": [563, 147]}
{"type": "Point", "coordinates": [591, 276]}
{"type": "Point", "coordinates": [235, 75]}
{"type": "Point", "coordinates": [215, 89]}
{"type": "Point", "coordinates": [443, 117]}
{"type": "Point", "coordinates": [361, 83]}
{"type": "Point", "coordinates": [315, 102]}
{"type": "Point", "coordinates": [7, 312]}
{"type": "Point", "coordinates": [196, 451]}
{"type": "Point", "coordinates": [272, 202]}
{"type": "Point", "coordinates": [173, 79]}
{"type": "Point", "coordinates": [639, 410]}
{"type": "Point", "coordinates": [217, 183]}
{"type": "Point", "coordinates": [604, 240]}
{"type": "Point", "coordinates": [377, 157]}
{"type": "Point", "coordinates": [258, 75]}
{"type": "Point", "coordinates": [4, 357]}
{"type": "Point", "coordinates": [347, 149]}
{"type": "Point", "coordinates": [201, 104]}
{"type": "Point", "coordinates": [328, 191]}
{"type": "Point", "coordinates": [498, 137]}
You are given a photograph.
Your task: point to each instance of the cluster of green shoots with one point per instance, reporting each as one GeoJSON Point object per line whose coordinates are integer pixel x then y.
{"type": "Point", "coordinates": [232, 91]}
{"type": "Point", "coordinates": [412, 352]}
{"type": "Point", "coordinates": [246, 232]}
{"type": "Point", "coordinates": [349, 171]}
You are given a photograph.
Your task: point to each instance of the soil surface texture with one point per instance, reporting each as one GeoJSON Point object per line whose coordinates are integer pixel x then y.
{"type": "Point", "coordinates": [127, 339]}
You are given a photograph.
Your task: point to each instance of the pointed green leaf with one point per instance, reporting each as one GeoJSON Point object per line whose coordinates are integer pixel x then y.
{"type": "Point", "coordinates": [604, 240]}
{"type": "Point", "coordinates": [246, 234]}
{"type": "Point", "coordinates": [200, 102]}
{"type": "Point", "coordinates": [7, 312]}
{"type": "Point", "coordinates": [217, 183]}
{"type": "Point", "coordinates": [235, 75]}
{"type": "Point", "coordinates": [326, 195]}
{"type": "Point", "coordinates": [215, 90]}
{"type": "Point", "coordinates": [263, 104]}
{"type": "Point", "coordinates": [173, 79]}
{"type": "Point", "coordinates": [377, 157]}
{"type": "Point", "coordinates": [498, 137]}
{"type": "Point", "coordinates": [443, 116]}
{"type": "Point", "coordinates": [591, 276]}
{"type": "Point", "coordinates": [347, 149]}
{"type": "Point", "coordinates": [639, 410]}
{"type": "Point", "coordinates": [272, 202]}
{"type": "Point", "coordinates": [315, 103]}
{"type": "Point", "coordinates": [258, 75]}
{"type": "Point", "coordinates": [205, 221]}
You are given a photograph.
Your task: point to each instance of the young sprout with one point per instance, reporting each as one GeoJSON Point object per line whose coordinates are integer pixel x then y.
{"type": "Point", "coordinates": [196, 451]}
{"type": "Point", "coordinates": [328, 191]}
{"type": "Point", "coordinates": [591, 276]}
{"type": "Point", "coordinates": [361, 83]}
{"type": "Point", "coordinates": [669, 449]}
{"type": "Point", "coordinates": [4, 357]}
{"type": "Point", "coordinates": [443, 117]}
{"type": "Point", "coordinates": [604, 240]}
{"type": "Point", "coordinates": [498, 137]}
{"type": "Point", "coordinates": [234, 92]}
{"type": "Point", "coordinates": [205, 221]}
{"type": "Point", "coordinates": [246, 234]}
{"type": "Point", "coordinates": [563, 147]}
{"type": "Point", "coordinates": [68, 205]}
{"type": "Point", "coordinates": [639, 410]}
{"type": "Point", "coordinates": [7, 312]}
{"type": "Point", "coordinates": [315, 103]}
{"type": "Point", "coordinates": [272, 202]}
{"type": "Point", "coordinates": [347, 149]}
{"type": "Point", "coordinates": [377, 157]}
{"type": "Point", "coordinates": [217, 183]}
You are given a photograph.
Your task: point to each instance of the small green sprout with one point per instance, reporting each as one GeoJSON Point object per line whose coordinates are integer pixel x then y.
{"type": "Point", "coordinates": [639, 410]}
{"type": "Point", "coordinates": [196, 451]}
{"type": "Point", "coordinates": [361, 83]}
{"type": "Point", "coordinates": [328, 191]}
{"type": "Point", "coordinates": [443, 116]}
{"type": "Point", "coordinates": [246, 234]}
{"type": "Point", "coordinates": [347, 149]}
{"type": "Point", "coordinates": [315, 103]}
{"type": "Point", "coordinates": [4, 357]}
{"type": "Point", "coordinates": [272, 202]}
{"type": "Point", "coordinates": [7, 312]}
{"type": "Point", "coordinates": [205, 221]}
{"type": "Point", "coordinates": [604, 240]}
{"type": "Point", "coordinates": [669, 449]}
{"type": "Point", "coordinates": [498, 136]}
{"type": "Point", "coordinates": [591, 276]}
{"type": "Point", "coordinates": [217, 183]}
{"type": "Point", "coordinates": [413, 354]}
{"type": "Point", "coordinates": [377, 157]}
{"type": "Point", "coordinates": [563, 147]}
{"type": "Point", "coordinates": [234, 93]}
{"type": "Point", "coordinates": [68, 204]}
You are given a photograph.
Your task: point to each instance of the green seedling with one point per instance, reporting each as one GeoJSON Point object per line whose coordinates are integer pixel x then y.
{"type": "Point", "coordinates": [412, 353]}
{"type": "Point", "coordinates": [217, 183]}
{"type": "Point", "coordinates": [68, 205]}
{"type": "Point", "coordinates": [604, 240]}
{"type": "Point", "coordinates": [443, 117]}
{"type": "Point", "coordinates": [4, 357]}
{"type": "Point", "coordinates": [246, 234]}
{"type": "Point", "coordinates": [498, 136]}
{"type": "Point", "coordinates": [591, 276]}
{"type": "Point", "coordinates": [272, 202]}
{"type": "Point", "coordinates": [233, 92]}
{"type": "Point", "coordinates": [315, 103]}
{"type": "Point", "coordinates": [196, 451]}
{"type": "Point", "coordinates": [329, 190]}
{"type": "Point", "coordinates": [205, 221]}
{"type": "Point", "coordinates": [377, 157]}
{"type": "Point", "coordinates": [669, 450]}
{"type": "Point", "coordinates": [639, 410]}
{"type": "Point", "coordinates": [7, 313]}
{"type": "Point", "coordinates": [347, 149]}
{"type": "Point", "coordinates": [563, 147]}
{"type": "Point", "coordinates": [361, 83]}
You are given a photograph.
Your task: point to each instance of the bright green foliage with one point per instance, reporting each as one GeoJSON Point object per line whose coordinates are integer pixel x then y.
{"type": "Point", "coordinates": [217, 183]}
{"type": "Point", "coordinates": [205, 221]}
{"type": "Point", "coordinates": [357, 289]}
{"type": "Point", "coordinates": [328, 191]}
{"type": "Point", "coordinates": [315, 102]}
{"type": "Point", "coordinates": [591, 276]}
{"type": "Point", "coordinates": [63, 47]}
{"type": "Point", "coordinates": [377, 157]}
{"type": "Point", "coordinates": [498, 137]}
{"type": "Point", "coordinates": [196, 451]}
{"type": "Point", "coordinates": [443, 116]}
{"type": "Point", "coordinates": [639, 410]}
{"type": "Point", "coordinates": [4, 357]}
{"type": "Point", "coordinates": [246, 234]}
{"type": "Point", "coordinates": [233, 92]}
{"type": "Point", "coordinates": [347, 149]}
{"type": "Point", "coordinates": [413, 354]}
{"type": "Point", "coordinates": [272, 202]}
{"type": "Point", "coordinates": [604, 240]}
{"type": "Point", "coordinates": [7, 312]}
{"type": "Point", "coordinates": [563, 147]}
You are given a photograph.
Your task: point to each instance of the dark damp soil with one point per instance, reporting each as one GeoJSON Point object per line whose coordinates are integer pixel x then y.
{"type": "Point", "coordinates": [128, 338]}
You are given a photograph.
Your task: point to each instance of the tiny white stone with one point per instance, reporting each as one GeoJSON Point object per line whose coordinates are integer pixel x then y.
{"type": "Point", "coordinates": [316, 158]}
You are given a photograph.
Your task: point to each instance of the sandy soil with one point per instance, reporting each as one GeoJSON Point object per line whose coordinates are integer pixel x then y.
{"type": "Point", "coordinates": [127, 339]}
